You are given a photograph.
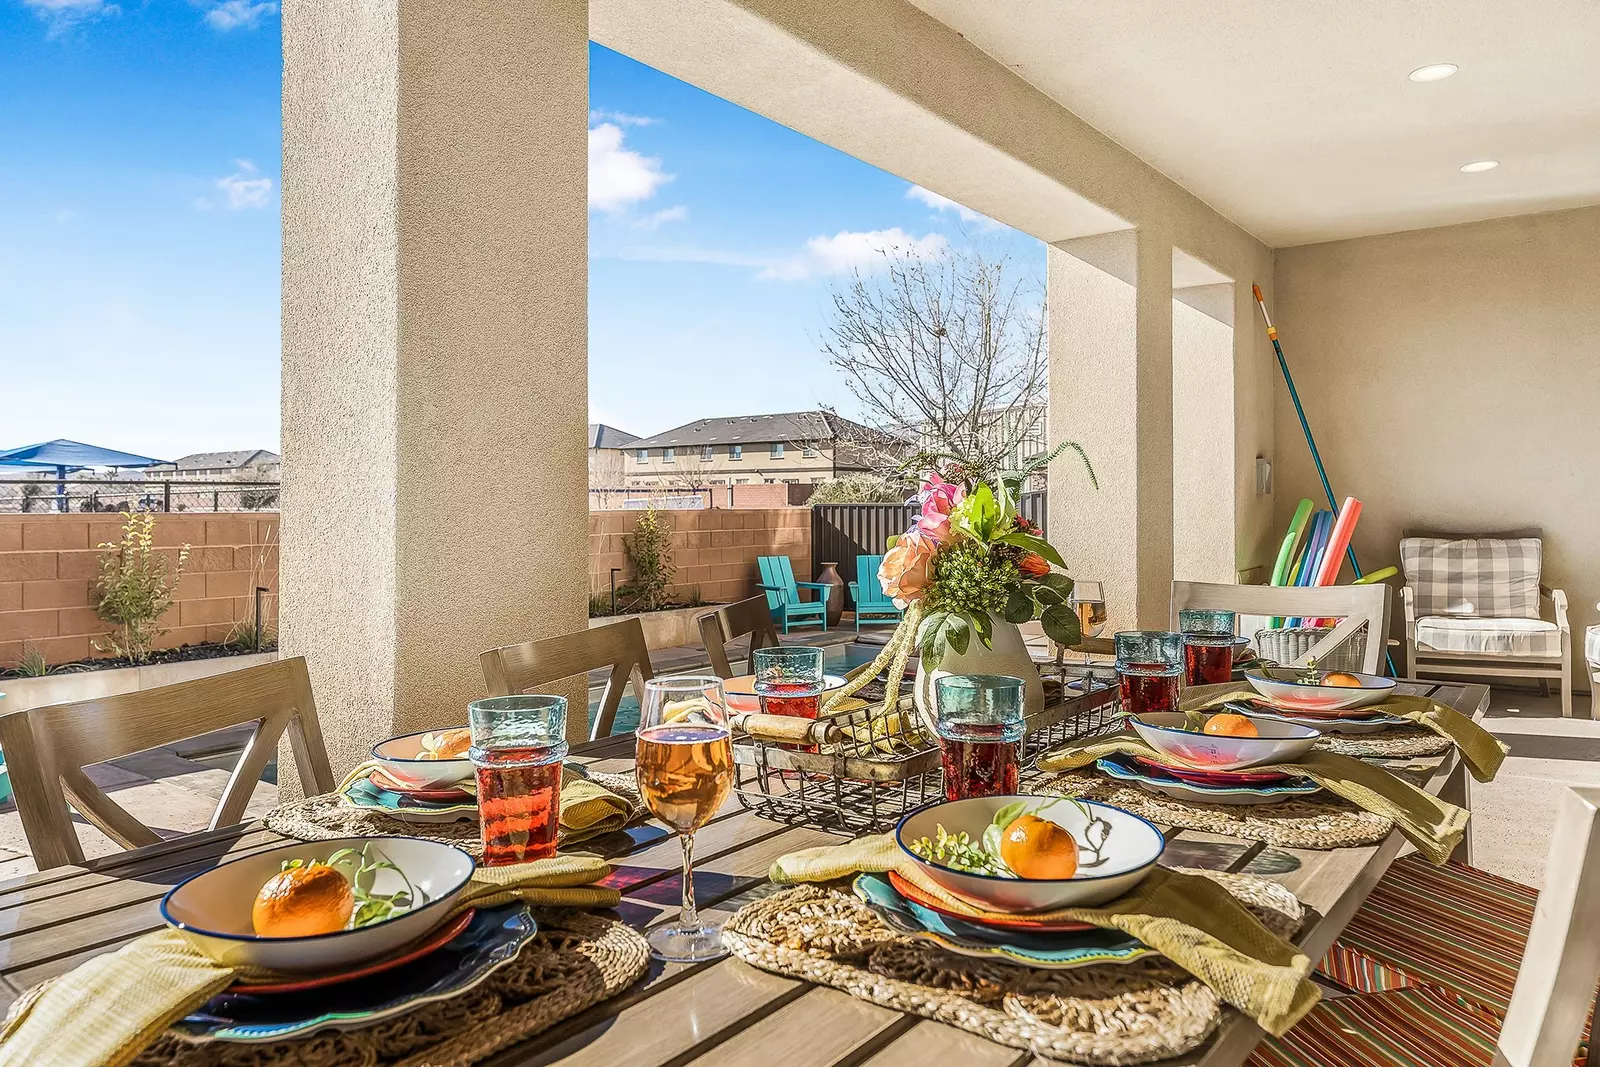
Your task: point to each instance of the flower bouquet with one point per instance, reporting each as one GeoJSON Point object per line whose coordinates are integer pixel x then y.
{"type": "Point", "coordinates": [969, 569]}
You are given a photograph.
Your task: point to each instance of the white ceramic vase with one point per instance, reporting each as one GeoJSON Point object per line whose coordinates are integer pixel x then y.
{"type": "Point", "coordinates": [1009, 655]}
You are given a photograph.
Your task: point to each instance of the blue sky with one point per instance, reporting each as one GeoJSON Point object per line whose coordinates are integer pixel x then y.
{"type": "Point", "coordinates": [139, 242]}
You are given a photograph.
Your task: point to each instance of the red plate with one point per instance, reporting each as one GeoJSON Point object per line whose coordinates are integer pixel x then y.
{"type": "Point", "coordinates": [383, 781]}
{"type": "Point", "coordinates": [440, 937]}
{"type": "Point", "coordinates": [1220, 778]}
{"type": "Point", "coordinates": [1016, 922]}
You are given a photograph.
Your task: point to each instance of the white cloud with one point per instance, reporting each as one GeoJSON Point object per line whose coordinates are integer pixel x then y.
{"type": "Point", "coordinates": [231, 14]}
{"type": "Point", "coordinates": [619, 176]}
{"type": "Point", "coordinates": [854, 250]}
{"type": "Point", "coordinates": [62, 15]}
{"type": "Point", "coordinates": [244, 188]}
{"type": "Point", "coordinates": [677, 213]}
{"type": "Point", "coordinates": [621, 118]}
{"type": "Point", "coordinates": [944, 203]}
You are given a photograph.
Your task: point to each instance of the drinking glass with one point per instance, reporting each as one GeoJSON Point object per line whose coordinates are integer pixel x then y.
{"type": "Point", "coordinates": [518, 743]}
{"type": "Point", "coordinates": [1150, 668]}
{"type": "Point", "coordinates": [788, 680]}
{"type": "Point", "coordinates": [1088, 599]}
{"type": "Point", "coordinates": [1208, 645]}
{"type": "Point", "coordinates": [684, 763]}
{"type": "Point", "coordinates": [980, 733]}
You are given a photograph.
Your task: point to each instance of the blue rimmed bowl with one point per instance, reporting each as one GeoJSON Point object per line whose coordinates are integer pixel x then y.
{"type": "Point", "coordinates": [1132, 847]}
{"type": "Point", "coordinates": [1279, 741]}
{"type": "Point", "coordinates": [402, 759]}
{"type": "Point", "coordinates": [213, 908]}
{"type": "Point", "coordinates": [1283, 688]}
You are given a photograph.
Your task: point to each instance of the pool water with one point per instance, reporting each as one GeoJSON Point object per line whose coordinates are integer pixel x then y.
{"type": "Point", "coordinates": [838, 659]}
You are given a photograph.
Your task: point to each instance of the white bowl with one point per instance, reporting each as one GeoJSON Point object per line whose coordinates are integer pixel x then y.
{"type": "Point", "coordinates": [213, 907]}
{"type": "Point", "coordinates": [401, 760]}
{"type": "Point", "coordinates": [1279, 742]}
{"type": "Point", "coordinates": [1281, 686]}
{"type": "Point", "coordinates": [1131, 849]}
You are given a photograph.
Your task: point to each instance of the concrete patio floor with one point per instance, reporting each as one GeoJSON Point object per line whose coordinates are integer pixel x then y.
{"type": "Point", "coordinates": [175, 789]}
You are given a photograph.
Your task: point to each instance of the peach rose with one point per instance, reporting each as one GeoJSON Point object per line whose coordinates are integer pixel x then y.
{"type": "Point", "coordinates": [907, 568]}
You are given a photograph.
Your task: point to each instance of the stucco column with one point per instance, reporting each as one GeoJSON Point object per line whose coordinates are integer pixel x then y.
{"type": "Point", "coordinates": [1110, 321]}
{"type": "Point", "coordinates": [434, 348]}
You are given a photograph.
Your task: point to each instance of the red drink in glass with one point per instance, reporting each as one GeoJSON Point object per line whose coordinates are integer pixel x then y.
{"type": "Point", "coordinates": [1148, 693]}
{"type": "Point", "coordinates": [1207, 664]}
{"type": "Point", "coordinates": [800, 699]}
{"type": "Point", "coordinates": [519, 803]}
{"type": "Point", "coordinates": [979, 762]}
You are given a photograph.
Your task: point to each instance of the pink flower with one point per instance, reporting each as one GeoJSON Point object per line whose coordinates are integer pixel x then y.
{"type": "Point", "coordinates": [938, 498]}
{"type": "Point", "coordinates": [907, 568]}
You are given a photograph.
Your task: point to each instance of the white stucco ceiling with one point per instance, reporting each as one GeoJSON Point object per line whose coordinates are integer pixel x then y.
{"type": "Point", "coordinates": [1297, 119]}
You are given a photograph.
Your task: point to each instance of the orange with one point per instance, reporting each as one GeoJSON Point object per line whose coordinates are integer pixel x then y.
{"type": "Point", "coordinates": [1230, 725]}
{"type": "Point", "coordinates": [302, 902]}
{"type": "Point", "coordinates": [1037, 848]}
{"type": "Point", "coordinates": [1341, 679]}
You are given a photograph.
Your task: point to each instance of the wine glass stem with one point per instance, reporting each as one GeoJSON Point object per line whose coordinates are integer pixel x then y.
{"type": "Point", "coordinates": [691, 915]}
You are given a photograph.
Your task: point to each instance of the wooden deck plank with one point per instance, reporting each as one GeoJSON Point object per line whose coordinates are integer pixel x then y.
{"type": "Point", "coordinates": [819, 1029]}
{"type": "Point", "coordinates": [931, 1044]}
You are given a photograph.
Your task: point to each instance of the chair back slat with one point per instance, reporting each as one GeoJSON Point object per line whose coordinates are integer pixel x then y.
{"type": "Point", "coordinates": [752, 618]}
{"type": "Point", "coordinates": [783, 571]}
{"type": "Point", "coordinates": [47, 747]}
{"type": "Point", "coordinates": [525, 667]}
{"type": "Point", "coordinates": [1556, 983]}
{"type": "Point", "coordinates": [1355, 605]}
{"type": "Point", "coordinates": [868, 589]}
{"type": "Point", "coordinates": [772, 578]}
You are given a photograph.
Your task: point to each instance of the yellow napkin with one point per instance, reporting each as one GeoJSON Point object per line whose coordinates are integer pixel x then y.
{"type": "Point", "coordinates": [1431, 824]}
{"type": "Point", "coordinates": [1482, 751]}
{"type": "Point", "coordinates": [1191, 920]}
{"type": "Point", "coordinates": [588, 808]}
{"type": "Point", "coordinates": [105, 1012]}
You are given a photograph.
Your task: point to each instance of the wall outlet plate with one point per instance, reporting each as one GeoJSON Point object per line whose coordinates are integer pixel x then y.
{"type": "Point", "coordinates": [1263, 476]}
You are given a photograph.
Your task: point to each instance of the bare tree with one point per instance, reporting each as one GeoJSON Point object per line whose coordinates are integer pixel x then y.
{"type": "Point", "coordinates": [690, 471]}
{"type": "Point", "coordinates": [946, 350]}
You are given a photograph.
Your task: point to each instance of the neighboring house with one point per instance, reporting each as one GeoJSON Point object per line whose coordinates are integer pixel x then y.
{"type": "Point", "coordinates": [807, 447]}
{"type": "Point", "coordinates": [245, 465]}
{"type": "Point", "coordinates": [606, 461]}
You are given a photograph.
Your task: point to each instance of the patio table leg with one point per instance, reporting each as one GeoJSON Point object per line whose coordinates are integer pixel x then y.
{"type": "Point", "coordinates": [1457, 790]}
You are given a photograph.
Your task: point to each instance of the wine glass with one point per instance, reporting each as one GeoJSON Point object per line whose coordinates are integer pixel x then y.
{"type": "Point", "coordinates": [1088, 599]}
{"type": "Point", "coordinates": [684, 764]}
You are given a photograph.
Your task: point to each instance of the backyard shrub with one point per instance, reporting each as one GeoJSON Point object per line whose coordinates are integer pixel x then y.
{"type": "Point", "coordinates": [135, 588]}
{"type": "Point", "coordinates": [861, 489]}
{"type": "Point", "coordinates": [650, 552]}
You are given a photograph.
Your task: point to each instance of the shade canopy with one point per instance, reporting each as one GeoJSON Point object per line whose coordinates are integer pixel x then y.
{"type": "Point", "coordinates": [67, 455]}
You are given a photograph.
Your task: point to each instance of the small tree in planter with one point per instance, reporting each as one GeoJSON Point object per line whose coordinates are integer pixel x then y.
{"type": "Point", "coordinates": [135, 588]}
{"type": "Point", "coordinates": [650, 550]}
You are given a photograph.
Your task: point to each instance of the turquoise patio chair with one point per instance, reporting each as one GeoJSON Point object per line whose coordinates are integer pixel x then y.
{"type": "Point", "coordinates": [868, 592]}
{"type": "Point", "coordinates": [783, 594]}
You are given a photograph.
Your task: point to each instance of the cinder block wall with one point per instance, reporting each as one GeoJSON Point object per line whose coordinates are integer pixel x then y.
{"type": "Point", "coordinates": [713, 550]}
{"type": "Point", "coordinates": [49, 563]}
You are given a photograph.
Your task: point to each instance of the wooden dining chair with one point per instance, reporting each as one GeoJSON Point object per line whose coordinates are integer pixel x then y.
{"type": "Point", "coordinates": [526, 667]}
{"type": "Point", "coordinates": [1426, 1025]}
{"type": "Point", "coordinates": [46, 749]}
{"type": "Point", "coordinates": [1354, 606]}
{"type": "Point", "coordinates": [747, 618]}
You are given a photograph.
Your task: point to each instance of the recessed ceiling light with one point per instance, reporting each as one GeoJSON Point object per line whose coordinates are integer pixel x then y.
{"type": "Point", "coordinates": [1479, 166]}
{"type": "Point", "coordinates": [1433, 72]}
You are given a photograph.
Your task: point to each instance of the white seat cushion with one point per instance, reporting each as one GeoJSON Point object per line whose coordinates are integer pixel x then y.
{"type": "Point", "coordinates": [1591, 646]}
{"type": "Point", "coordinates": [1534, 638]}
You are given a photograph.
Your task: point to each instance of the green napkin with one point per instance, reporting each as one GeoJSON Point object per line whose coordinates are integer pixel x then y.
{"type": "Point", "coordinates": [1482, 751]}
{"type": "Point", "coordinates": [1431, 824]}
{"type": "Point", "coordinates": [1191, 920]}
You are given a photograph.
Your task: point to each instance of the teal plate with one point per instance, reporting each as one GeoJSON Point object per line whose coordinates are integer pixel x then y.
{"type": "Point", "coordinates": [363, 794]}
{"type": "Point", "coordinates": [1156, 782]}
{"type": "Point", "coordinates": [1060, 951]}
{"type": "Point", "coordinates": [490, 941]}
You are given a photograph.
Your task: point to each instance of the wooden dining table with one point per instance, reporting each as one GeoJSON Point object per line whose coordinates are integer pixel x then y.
{"type": "Point", "coordinates": [723, 1012]}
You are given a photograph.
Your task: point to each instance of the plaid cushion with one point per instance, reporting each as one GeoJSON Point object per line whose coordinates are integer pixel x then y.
{"type": "Point", "coordinates": [1408, 1028]}
{"type": "Point", "coordinates": [1591, 646]}
{"type": "Point", "coordinates": [1489, 637]}
{"type": "Point", "coordinates": [1495, 578]}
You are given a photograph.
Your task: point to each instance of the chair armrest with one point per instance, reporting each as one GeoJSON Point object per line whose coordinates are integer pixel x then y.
{"type": "Point", "coordinates": [783, 594]}
{"type": "Point", "coordinates": [1408, 599]}
{"type": "Point", "coordinates": [853, 589]}
{"type": "Point", "coordinates": [1558, 597]}
{"type": "Point", "coordinates": [814, 585]}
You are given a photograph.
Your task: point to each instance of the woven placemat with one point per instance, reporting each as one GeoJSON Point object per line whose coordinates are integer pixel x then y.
{"type": "Point", "coordinates": [1401, 742]}
{"type": "Point", "coordinates": [1133, 1013]}
{"type": "Point", "coordinates": [326, 816]}
{"type": "Point", "coordinates": [575, 960]}
{"type": "Point", "coordinates": [1317, 821]}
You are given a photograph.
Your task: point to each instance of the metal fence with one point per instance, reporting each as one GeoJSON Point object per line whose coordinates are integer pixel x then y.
{"type": "Point", "coordinates": [841, 532]}
{"type": "Point", "coordinates": [41, 496]}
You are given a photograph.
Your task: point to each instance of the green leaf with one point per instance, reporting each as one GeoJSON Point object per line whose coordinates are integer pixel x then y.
{"type": "Point", "coordinates": [1019, 607]}
{"type": "Point", "coordinates": [1061, 625]}
{"type": "Point", "coordinates": [1048, 597]}
{"type": "Point", "coordinates": [1059, 582]}
{"type": "Point", "coordinates": [957, 632]}
{"type": "Point", "coordinates": [985, 629]}
{"type": "Point", "coordinates": [1029, 543]}
{"type": "Point", "coordinates": [930, 638]}
{"type": "Point", "coordinates": [1006, 814]}
{"type": "Point", "coordinates": [978, 514]}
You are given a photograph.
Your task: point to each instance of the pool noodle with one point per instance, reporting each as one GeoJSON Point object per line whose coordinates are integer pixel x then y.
{"type": "Point", "coordinates": [1321, 522]}
{"type": "Point", "coordinates": [1338, 540]}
